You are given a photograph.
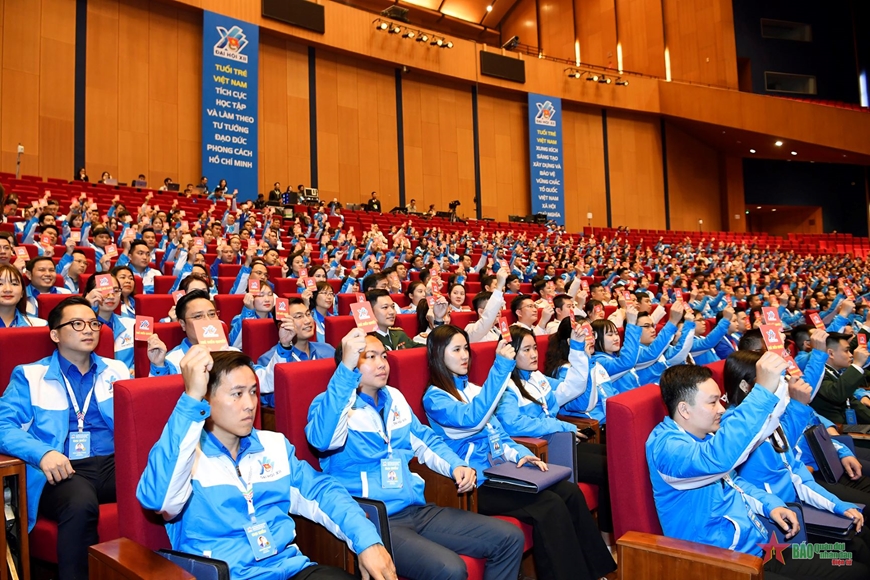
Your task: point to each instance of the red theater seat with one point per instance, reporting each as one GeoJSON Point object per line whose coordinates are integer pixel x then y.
{"type": "Point", "coordinates": [336, 327]}
{"type": "Point", "coordinates": [718, 370]}
{"type": "Point", "coordinates": [45, 303]}
{"type": "Point", "coordinates": [259, 335]}
{"type": "Point", "coordinates": [229, 305]}
{"type": "Point", "coordinates": [154, 305]}
{"type": "Point", "coordinates": [169, 332]}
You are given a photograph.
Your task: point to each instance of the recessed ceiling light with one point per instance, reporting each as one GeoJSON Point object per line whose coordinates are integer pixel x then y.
{"type": "Point", "coordinates": [794, 152]}
{"type": "Point", "coordinates": [747, 212]}
{"type": "Point", "coordinates": [752, 150]}
{"type": "Point", "coordinates": [489, 8]}
{"type": "Point", "coordinates": [758, 207]}
{"type": "Point", "coordinates": [778, 143]}
{"type": "Point", "coordinates": [774, 209]}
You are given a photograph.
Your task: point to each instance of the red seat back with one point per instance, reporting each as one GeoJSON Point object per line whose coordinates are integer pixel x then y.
{"type": "Point", "coordinates": [336, 327]}
{"type": "Point", "coordinates": [344, 302]}
{"type": "Point", "coordinates": [631, 417]}
{"type": "Point", "coordinates": [284, 286]}
{"type": "Point", "coordinates": [258, 336]}
{"type": "Point", "coordinates": [462, 319]}
{"type": "Point", "coordinates": [482, 359]}
{"type": "Point", "coordinates": [718, 370]}
{"type": "Point", "coordinates": [154, 305]}
{"type": "Point", "coordinates": [45, 303]}
{"type": "Point", "coordinates": [408, 323]}
{"type": "Point", "coordinates": [169, 332]}
{"type": "Point", "coordinates": [230, 306]}
{"type": "Point", "coordinates": [142, 408]}
{"type": "Point", "coordinates": [409, 372]}
{"type": "Point", "coordinates": [163, 284]}
{"type": "Point", "coordinates": [225, 284]}
{"type": "Point", "coordinates": [29, 344]}
{"type": "Point", "coordinates": [296, 385]}
{"type": "Point", "coordinates": [229, 270]}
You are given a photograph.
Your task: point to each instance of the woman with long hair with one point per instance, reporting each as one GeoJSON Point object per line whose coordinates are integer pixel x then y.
{"type": "Point", "coordinates": [322, 304]}
{"type": "Point", "coordinates": [415, 292]}
{"type": "Point", "coordinates": [567, 544]}
{"type": "Point", "coordinates": [531, 403]}
{"type": "Point", "coordinates": [13, 300]}
{"type": "Point", "coordinates": [127, 280]}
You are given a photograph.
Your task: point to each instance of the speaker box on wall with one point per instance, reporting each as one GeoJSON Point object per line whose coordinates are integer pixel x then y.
{"type": "Point", "coordinates": [299, 13]}
{"type": "Point", "coordinates": [502, 67]}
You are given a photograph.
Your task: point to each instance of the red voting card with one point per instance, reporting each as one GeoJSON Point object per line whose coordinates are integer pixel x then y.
{"type": "Point", "coordinates": [784, 288]}
{"type": "Point", "coordinates": [144, 327]}
{"type": "Point", "coordinates": [817, 320]}
{"type": "Point", "coordinates": [772, 337]}
{"type": "Point", "coordinates": [678, 295]}
{"type": "Point", "coordinates": [75, 236]}
{"type": "Point", "coordinates": [770, 316]}
{"type": "Point", "coordinates": [597, 310]}
{"type": "Point", "coordinates": [253, 286]}
{"type": "Point", "coordinates": [303, 273]}
{"type": "Point", "coordinates": [21, 252]}
{"type": "Point", "coordinates": [792, 368]}
{"type": "Point", "coordinates": [199, 242]}
{"type": "Point", "coordinates": [362, 314]}
{"type": "Point", "coordinates": [309, 283]}
{"type": "Point", "coordinates": [430, 300]}
{"type": "Point", "coordinates": [104, 284]}
{"type": "Point", "coordinates": [626, 295]}
{"type": "Point", "coordinates": [360, 297]}
{"type": "Point", "coordinates": [585, 285]}
{"type": "Point", "coordinates": [45, 240]}
{"type": "Point", "coordinates": [847, 290]}
{"type": "Point", "coordinates": [34, 203]}
{"type": "Point", "coordinates": [111, 250]}
{"type": "Point", "coordinates": [252, 244]}
{"type": "Point", "coordinates": [590, 336]}
{"type": "Point", "coordinates": [282, 307]}
{"type": "Point", "coordinates": [176, 296]}
{"type": "Point", "coordinates": [504, 329]}
{"type": "Point", "coordinates": [210, 333]}
{"type": "Point", "coordinates": [862, 339]}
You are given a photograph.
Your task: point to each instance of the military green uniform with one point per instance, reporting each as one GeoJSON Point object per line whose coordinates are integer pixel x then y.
{"type": "Point", "coordinates": [395, 339]}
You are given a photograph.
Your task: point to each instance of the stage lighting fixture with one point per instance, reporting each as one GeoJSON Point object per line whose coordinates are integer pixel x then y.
{"type": "Point", "coordinates": [381, 25]}
{"type": "Point", "coordinates": [423, 37]}
{"type": "Point", "coordinates": [448, 44]}
{"type": "Point", "coordinates": [778, 143]}
{"type": "Point", "coordinates": [489, 8]}
{"type": "Point", "coordinates": [593, 78]}
{"type": "Point", "coordinates": [409, 34]}
{"type": "Point", "coordinates": [395, 29]}
{"type": "Point", "coordinates": [621, 83]}
{"type": "Point", "coordinates": [512, 43]}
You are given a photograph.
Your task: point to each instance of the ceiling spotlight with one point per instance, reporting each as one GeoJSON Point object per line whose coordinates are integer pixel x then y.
{"type": "Point", "coordinates": [409, 34]}
{"type": "Point", "coordinates": [604, 80]}
{"type": "Point", "coordinates": [794, 152]}
{"type": "Point", "coordinates": [593, 78]}
{"type": "Point", "coordinates": [621, 83]}
{"type": "Point", "coordinates": [576, 74]}
{"type": "Point", "coordinates": [489, 8]}
{"type": "Point", "coordinates": [778, 143]}
{"type": "Point", "coordinates": [437, 42]}
{"type": "Point", "coordinates": [774, 209]}
{"type": "Point", "coordinates": [383, 25]}
{"type": "Point", "coordinates": [758, 207]}
{"type": "Point", "coordinates": [396, 29]}
{"type": "Point", "coordinates": [423, 37]}
{"type": "Point", "coordinates": [448, 44]}
{"type": "Point", "coordinates": [752, 150]}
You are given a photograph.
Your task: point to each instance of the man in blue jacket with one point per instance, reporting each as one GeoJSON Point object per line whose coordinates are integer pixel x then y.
{"type": "Point", "coordinates": [57, 416]}
{"type": "Point", "coordinates": [369, 435]}
{"type": "Point", "coordinates": [226, 490]}
{"type": "Point", "coordinates": [692, 461]}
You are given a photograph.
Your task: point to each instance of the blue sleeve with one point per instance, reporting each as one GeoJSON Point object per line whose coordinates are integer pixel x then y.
{"type": "Point", "coordinates": [16, 411]}
{"type": "Point", "coordinates": [328, 414]}
{"type": "Point", "coordinates": [628, 354]}
{"type": "Point", "coordinates": [518, 424]}
{"type": "Point", "coordinates": [63, 264]}
{"type": "Point", "coordinates": [714, 336]}
{"type": "Point", "coordinates": [240, 286]}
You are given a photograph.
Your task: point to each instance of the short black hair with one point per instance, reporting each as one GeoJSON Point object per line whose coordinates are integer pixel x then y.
{"type": "Point", "coordinates": [56, 314]}
{"type": "Point", "coordinates": [680, 383]}
{"type": "Point", "coordinates": [486, 280]}
{"type": "Point", "coordinates": [224, 362]}
{"type": "Point", "coordinates": [559, 300]}
{"type": "Point", "coordinates": [184, 301]}
{"type": "Point", "coordinates": [800, 334]}
{"type": "Point", "coordinates": [100, 231]}
{"type": "Point", "coordinates": [370, 281]}
{"type": "Point", "coordinates": [751, 340]}
{"type": "Point", "coordinates": [517, 302]}
{"type": "Point", "coordinates": [375, 293]}
{"type": "Point", "coordinates": [136, 243]}
{"type": "Point", "coordinates": [834, 339]}
{"type": "Point", "coordinates": [480, 298]}
{"type": "Point", "coordinates": [34, 261]}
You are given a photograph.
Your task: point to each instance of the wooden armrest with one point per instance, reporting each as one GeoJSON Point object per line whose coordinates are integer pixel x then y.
{"type": "Point", "coordinates": [9, 461]}
{"type": "Point", "coordinates": [650, 557]}
{"type": "Point", "coordinates": [535, 445]}
{"type": "Point", "coordinates": [267, 419]}
{"type": "Point", "coordinates": [583, 423]}
{"type": "Point", "coordinates": [441, 490]}
{"type": "Point", "coordinates": [123, 558]}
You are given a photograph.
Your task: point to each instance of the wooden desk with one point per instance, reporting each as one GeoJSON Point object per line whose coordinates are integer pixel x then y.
{"type": "Point", "coordinates": [12, 467]}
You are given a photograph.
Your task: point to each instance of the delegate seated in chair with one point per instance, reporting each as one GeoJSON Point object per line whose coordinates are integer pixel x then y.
{"type": "Point", "coordinates": [692, 459]}
{"type": "Point", "coordinates": [348, 421]}
{"type": "Point", "coordinates": [57, 416]}
{"type": "Point", "coordinates": [226, 489]}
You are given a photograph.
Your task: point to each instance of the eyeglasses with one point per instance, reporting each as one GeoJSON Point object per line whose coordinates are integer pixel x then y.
{"type": "Point", "coordinates": [211, 315]}
{"type": "Point", "coordinates": [79, 325]}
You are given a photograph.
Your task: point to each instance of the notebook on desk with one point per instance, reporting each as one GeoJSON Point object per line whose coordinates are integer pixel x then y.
{"type": "Point", "coordinates": [529, 478]}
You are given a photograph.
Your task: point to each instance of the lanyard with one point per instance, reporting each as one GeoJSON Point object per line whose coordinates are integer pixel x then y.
{"type": "Point", "coordinates": [80, 413]}
{"type": "Point", "coordinates": [541, 398]}
{"type": "Point", "coordinates": [752, 517]}
{"type": "Point", "coordinates": [246, 489]}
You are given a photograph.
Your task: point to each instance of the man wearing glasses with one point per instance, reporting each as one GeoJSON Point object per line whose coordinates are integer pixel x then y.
{"type": "Point", "coordinates": [57, 416]}
{"type": "Point", "coordinates": [296, 336]}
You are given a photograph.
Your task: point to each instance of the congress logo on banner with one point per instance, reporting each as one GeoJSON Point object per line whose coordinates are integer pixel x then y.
{"type": "Point", "coordinates": [546, 114]}
{"type": "Point", "coordinates": [231, 44]}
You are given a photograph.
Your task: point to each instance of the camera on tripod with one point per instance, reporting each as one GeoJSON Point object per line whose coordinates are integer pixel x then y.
{"type": "Point", "coordinates": [454, 204]}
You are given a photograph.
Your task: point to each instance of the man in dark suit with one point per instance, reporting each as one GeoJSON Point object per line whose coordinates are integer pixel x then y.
{"type": "Point", "coordinates": [374, 204]}
{"type": "Point", "coordinates": [844, 373]}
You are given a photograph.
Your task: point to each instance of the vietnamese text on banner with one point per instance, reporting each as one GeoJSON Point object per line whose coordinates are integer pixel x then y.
{"type": "Point", "coordinates": [230, 51]}
{"type": "Point", "coordinates": [545, 157]}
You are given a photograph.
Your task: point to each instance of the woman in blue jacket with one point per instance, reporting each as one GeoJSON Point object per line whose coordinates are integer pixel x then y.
{"type": "Point", "coordinates": [567, 543]}
{"type": "Point", "coordinates": [774, 465]}
{"type": "Point", "coordinates": [530, 405]}
{"type": "Point", "coordinates": [122, 327]}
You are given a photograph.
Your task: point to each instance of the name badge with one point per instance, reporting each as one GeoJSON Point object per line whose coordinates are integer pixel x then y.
{"type": "Point", "coordinates": [261, 542]}
{"type": "Point", "coordinates": [391, 474]}
{"type": "Point", "coordinates": [495, 448]}
{"type": "Point", "coordinates": [79, 445]}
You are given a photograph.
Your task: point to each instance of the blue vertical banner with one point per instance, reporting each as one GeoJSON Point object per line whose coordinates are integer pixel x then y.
{"type": "Point", "coordinates": [230, 64]}
{"type": "Point", "coordinates": [545, 157]}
